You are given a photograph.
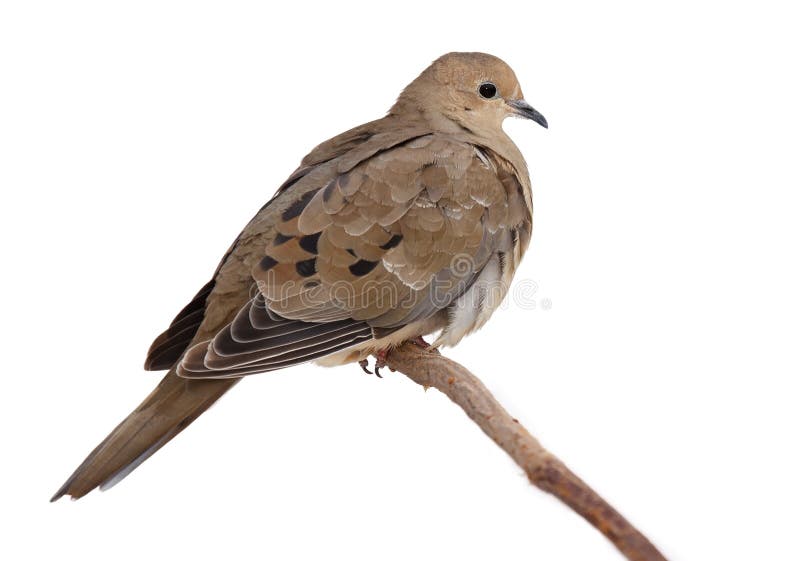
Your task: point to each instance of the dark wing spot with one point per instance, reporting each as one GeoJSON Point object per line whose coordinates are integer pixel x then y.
{"type": "Point", "coordinates": [268, 263]}
{"type": "Point", "coordinates": [351, 252]}
{"type": "Point", "coordinates": [393, 242]}
{"type": "Point", "coordinates": [294, 209]}
{"type": "Point", "coordinates": [309, 243]}
{"type": "Point", "coordinates": [306, 268]}
{"type": "Point", "coordinates": [281, 239]}
{"type": "Point", "coordinates": [362, 267]}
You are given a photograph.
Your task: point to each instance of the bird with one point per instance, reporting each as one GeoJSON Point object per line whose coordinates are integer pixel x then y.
{"type": "Point", "coordinates": [404, 227]}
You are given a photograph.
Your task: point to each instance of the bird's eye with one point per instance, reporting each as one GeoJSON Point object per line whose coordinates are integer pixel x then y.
{"type": "Point", "coordinates": [487, 90]}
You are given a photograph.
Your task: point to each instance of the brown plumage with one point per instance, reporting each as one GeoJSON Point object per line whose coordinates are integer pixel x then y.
{"type": "Point", "coordinates": [402, 227]}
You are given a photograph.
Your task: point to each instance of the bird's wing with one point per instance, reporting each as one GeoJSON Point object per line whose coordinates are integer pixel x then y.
{"type": "Point", "coordinates": [388, 240]}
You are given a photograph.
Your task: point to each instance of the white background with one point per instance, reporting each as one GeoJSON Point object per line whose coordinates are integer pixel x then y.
{"type": "Point", "coordinates": [137, 139]}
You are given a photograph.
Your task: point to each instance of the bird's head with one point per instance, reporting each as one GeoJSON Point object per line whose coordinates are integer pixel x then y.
{"type": "Point", "coordinates": [471, 92]}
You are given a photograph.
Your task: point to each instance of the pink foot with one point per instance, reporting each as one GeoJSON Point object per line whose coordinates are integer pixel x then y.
{"type": "Point", "coordinates": [420, 342]}
{"type": "Point", "coordinates": [380, 357]}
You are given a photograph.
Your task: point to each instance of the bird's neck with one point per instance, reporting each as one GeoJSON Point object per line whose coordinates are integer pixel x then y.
{"type": "Point", "coordinates": [446, 123]}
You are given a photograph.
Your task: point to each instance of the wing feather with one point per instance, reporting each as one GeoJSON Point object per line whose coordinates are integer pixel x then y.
{"type": "Point", "coordinates": [169, 346]}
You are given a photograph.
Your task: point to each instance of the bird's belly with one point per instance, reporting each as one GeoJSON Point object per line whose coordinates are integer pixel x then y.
{"type": "Point", "coordinates": [473, 308]}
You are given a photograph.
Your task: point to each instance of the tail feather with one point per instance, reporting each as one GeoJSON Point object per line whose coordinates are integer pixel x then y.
{"type": "Point", "coordinates": [169, 409]}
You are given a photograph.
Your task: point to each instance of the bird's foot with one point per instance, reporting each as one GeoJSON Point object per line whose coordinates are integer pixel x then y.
{"type": "Point", "coordinates": [420, 342]}
{"type": "Point", "coordinates": [423, 344]}
{"type": "Point", "coordinates": [380, 362]}
{"type": "Point", "coordinates": [380, 357]}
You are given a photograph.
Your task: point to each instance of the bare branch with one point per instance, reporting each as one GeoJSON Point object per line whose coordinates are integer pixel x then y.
{"type": "Point", "coordinates": [430, 369]}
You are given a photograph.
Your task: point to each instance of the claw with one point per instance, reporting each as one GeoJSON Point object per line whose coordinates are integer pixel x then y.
{"type": "Point", "coordinates": [380, 362]}
{"type": "Point", "coordinates": [364, 363]}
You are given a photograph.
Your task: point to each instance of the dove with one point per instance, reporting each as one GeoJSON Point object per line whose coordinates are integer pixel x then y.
{"type": "Point", "coordinates": [404, 227]}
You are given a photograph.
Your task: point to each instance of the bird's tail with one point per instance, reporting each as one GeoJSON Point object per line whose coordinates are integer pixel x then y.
{"type": "Point", "coordinates": [169, 409]}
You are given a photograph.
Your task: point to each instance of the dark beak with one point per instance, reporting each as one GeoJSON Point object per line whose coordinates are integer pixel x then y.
{"type": "Point", "coordinates": [525, 111]}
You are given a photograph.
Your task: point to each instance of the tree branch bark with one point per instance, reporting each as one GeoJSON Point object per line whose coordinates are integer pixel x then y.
{"type": "Point", "coordinates": [430, 369]}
